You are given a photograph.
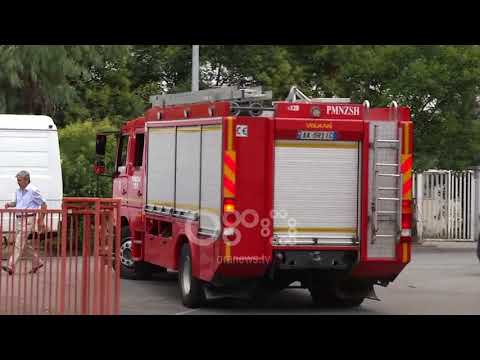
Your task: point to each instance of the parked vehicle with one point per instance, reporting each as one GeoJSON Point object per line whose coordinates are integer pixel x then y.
{"type": "Point", "coordinates": [30, 142]}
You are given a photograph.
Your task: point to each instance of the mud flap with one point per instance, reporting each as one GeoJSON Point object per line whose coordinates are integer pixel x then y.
{"type": "Point", "coordinates": [367, 292]}
{"type": "Point", "coordinates": [371, 294]}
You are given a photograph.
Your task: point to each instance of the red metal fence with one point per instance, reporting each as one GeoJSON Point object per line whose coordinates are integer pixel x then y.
{"type": "Point", "coordinates": [74, 252]}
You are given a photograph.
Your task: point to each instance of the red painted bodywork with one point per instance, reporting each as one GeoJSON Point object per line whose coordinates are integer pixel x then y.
{"type": "Point", "coordinates": [254, 186]}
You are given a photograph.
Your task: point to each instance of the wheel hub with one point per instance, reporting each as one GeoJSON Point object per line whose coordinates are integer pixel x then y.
{"type": "Point", "coordinates": [126, 254]}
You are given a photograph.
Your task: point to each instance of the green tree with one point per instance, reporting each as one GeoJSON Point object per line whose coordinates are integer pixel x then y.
{"type": "Point", "coordinates": [37, 79]}
{"type": "Point", "coordinates": [107, 90]}
{"type": "Point", "coordinates": [77, 152]}
{"type": "Point", "coordinates": [167, 68]}
{"type": "Point", "coordinates": [438, 83]}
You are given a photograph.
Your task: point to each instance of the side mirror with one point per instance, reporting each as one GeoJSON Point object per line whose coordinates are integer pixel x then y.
{"type": "Point", "coordinates": [101, 145]}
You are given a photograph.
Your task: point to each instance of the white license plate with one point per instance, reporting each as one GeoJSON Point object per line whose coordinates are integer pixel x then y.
{"type": "Point", "coordinates": [317, 135]}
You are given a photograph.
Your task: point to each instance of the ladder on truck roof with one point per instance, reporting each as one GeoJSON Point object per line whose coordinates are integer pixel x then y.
{"type": "Point", "coordinates": [242, 100]}
{"type": "Point", "coordinates": [295, 95]}
{"type": "Point", "coordinates": [231, 93]}
{"type": "Point", "coordinates": [387, 170]}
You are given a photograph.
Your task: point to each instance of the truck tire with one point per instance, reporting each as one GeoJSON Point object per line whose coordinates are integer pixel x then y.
{"type": "Point", "coordinates": [191, 289]}
{"type": "Point", "coordinates": [328, 296]}
{"type": "Point", "coordinates": [129, 269]}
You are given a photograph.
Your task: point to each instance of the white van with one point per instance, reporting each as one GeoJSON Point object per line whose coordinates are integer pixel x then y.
{"type": "Point", "coordinates": [30, 142]}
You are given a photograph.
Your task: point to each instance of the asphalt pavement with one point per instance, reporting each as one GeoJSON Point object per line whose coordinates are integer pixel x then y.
{"type": "Point", "coordinates": [443, 278]}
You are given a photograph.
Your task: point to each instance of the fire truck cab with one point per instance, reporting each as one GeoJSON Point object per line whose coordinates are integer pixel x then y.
{"type": "Point", "coordinates": [242, 198]}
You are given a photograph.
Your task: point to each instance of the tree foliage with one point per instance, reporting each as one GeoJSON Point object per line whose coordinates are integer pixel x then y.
{"type": "Point", "coordinates": [80, 86]}
{"type": "Point", "coordinates": [38, 79]}
{"type": "Point", "coordinates": [77, 148]}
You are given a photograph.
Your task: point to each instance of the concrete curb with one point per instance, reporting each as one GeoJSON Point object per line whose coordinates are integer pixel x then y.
{"type": "Point", "coordinates": [446, 244]}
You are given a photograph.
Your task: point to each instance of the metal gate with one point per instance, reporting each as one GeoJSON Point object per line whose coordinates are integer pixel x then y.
{"type": "Point", "coordinates": [74, 254]}
{"type": "Point", "coordinates": [445, 205]}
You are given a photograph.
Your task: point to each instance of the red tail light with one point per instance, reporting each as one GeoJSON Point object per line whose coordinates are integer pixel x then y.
{"type": "Point", "coordinates": [229, 209]}
{"type": "Point", "coordinates": [229, 206]}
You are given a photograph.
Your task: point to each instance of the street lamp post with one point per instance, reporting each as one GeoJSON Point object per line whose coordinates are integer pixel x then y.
{"type": "Point", "coordinates": [195, 67]}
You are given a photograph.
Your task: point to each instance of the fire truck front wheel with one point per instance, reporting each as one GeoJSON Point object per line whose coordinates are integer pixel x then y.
{"type": "Point", "coordinates": [129, 269]}
{"type": "Point", "coordinates": [191, 288]}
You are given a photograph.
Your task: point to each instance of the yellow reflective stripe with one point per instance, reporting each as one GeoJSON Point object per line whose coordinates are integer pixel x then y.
{"type": "Point", "coordinates": [229, 174]}
{"type": "Point", "coordinates": [210, 210]}
{"type": "Point", "coordinates": [211, 128]}
{"type": "Point", "coordinates": [407, 176]}
{"type": "Point", "coordinates": [317, 230]}
{"type": "Point", "coordinates": [324, 145]}
{"type": "Point", "coordinates": [406, 138]}
{"type": "Point", "coordinates": [227, 193]}
{"type": "Point", "coordinates": [186, 206]}
{"type": "Point", "coordinates": [228, 251]}
{"type": "Point", "coordinates": [404, 253]}
{"type": "Point", "coordinates": [161, 203]}
{"type": "Point", "coordinates": [230, 134]}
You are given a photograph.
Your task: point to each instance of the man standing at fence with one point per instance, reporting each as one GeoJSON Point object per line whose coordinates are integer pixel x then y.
{"type": "Point", "coordinates": [27, 196]}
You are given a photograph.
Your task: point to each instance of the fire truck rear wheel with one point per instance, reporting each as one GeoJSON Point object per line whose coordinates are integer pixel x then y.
{"type": "Point", "coordinates": [192, 290]}
{"type": "Point", "coordinates": [328, 296]}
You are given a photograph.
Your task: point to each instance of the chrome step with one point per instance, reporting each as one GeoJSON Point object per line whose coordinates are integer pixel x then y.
{"type": "Point", "coordinates": [389, 175]}
{"type": "Point", "coordinates": [385, 141]}
{"type": "Point", "coordinates": [385, 164]}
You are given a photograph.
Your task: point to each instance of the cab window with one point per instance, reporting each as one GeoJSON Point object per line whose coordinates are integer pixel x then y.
{"type": "Point", "coordinates": [122, 153]}
{"type": "Point", "coordinates": [139, 150]}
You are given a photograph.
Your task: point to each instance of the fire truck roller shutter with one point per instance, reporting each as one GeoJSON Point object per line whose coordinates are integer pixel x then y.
{"type": "Point", "coordinates": [187, 182]}
{"type": "Point", "coordinates": [211, 178]}
{"type": "Point", "coordinates": [316, 192]}
{"type": "Point", "coordinates": [161, 167]}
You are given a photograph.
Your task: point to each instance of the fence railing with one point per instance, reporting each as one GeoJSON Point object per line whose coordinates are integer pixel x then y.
{"type": "Point", "coordinates": [446, 205]}
{"type": "Point", "coordinates": [61, 261]}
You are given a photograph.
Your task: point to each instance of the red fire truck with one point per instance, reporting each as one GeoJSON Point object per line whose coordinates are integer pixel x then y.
{"type": "Point", "coordinates": [242, 198]}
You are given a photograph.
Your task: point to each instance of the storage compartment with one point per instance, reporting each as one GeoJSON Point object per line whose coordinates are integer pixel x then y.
{"type": "Point", "coordinates": [317, 192]}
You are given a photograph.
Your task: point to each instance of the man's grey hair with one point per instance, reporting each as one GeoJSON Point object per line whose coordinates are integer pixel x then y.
{"type": "Point", "coordinates": [24, 174]}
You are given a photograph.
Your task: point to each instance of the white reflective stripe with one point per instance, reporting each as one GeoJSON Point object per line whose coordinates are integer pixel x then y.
{"type": "Point", "coordinates": [406, 232]}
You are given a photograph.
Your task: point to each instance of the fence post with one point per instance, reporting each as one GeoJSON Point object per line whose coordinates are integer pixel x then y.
{"type": "Point", "coordinates": [476, 205]}
{"type": "Point", "coordinates": [419, 205]}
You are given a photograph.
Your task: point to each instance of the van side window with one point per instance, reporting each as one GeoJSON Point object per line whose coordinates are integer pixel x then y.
{"type": "Point", "coordinates": [122, 152]}
{"type": "Point", "coordinates": [139, 150]}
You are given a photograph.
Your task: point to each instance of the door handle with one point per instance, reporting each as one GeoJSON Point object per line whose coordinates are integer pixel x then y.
{"type": "Point", "coordinates": [124, 191]}
{"type": "Point", "coordinates": [139, 193]}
